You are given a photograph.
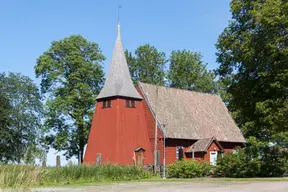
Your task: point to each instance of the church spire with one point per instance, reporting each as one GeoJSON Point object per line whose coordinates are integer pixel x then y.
{"type": "Point", "coordinates": [118, 81]}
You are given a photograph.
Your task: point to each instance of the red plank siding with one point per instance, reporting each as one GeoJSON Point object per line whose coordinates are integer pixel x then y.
{"type": "Point", "coordinates": [171, 145]}
{"type": "Point", "coordinates": [150, 123]}
{"type": "Point", "coordinates": [116, 132]}
{"type": "Point", "coordinates": [213, 147]}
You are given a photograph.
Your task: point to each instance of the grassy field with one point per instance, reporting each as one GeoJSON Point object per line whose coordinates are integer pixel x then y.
{"type": "Point", "coordinates": [21, 176]}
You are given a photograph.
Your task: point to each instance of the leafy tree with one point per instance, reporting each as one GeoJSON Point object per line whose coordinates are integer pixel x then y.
{"type": "Point", "coordinates": [22, 114]}
{"type": "Point", "coordinates": [147, 65]}
{"type": "Point", "coordinates": [34, 152]}
{"type": "Point", "coordinates": [71, 75]}
{"type": "Point", "coordinates": [222, 86]}
{"type": "Point", "coordinates": [187, 71]}
{"type": "Point", "coordinates": [5, 122]}
{"type": "Point", "coordinates": [253, 48]}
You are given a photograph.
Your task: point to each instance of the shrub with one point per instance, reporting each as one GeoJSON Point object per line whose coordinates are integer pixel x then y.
{"type": "Point", "coordinates": [273, 162]}
{"type": "Point", "coordinates": [188, 169]}
{"type": "Point", "coordinates": [235, 165]}
{"type": "Point", "coordinates": [257, 159]}
{"type": "Point", "coordinates": [273, 159]}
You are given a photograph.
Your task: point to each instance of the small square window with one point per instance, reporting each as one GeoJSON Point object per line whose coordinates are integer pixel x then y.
{"type": "Point", "coordinates": [130, 103]}
{"type": "Point", "coordinates": [127, 103]}
{"type": "Point", "coordinates": [106, 104]}
{"type": "Point", "coordinates": [133, 103]}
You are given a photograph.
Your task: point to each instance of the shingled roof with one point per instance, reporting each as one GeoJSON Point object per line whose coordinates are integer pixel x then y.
{"type": "Point", "coordinates": [191, 115]}
{"type": "Point", "coordinates": [202, 145]}
{"type": "Point", "coordinates": [118, 81]}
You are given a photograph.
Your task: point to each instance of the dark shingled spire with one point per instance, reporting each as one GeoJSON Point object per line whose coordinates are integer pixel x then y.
{"type": "Point", "coordinates": [118, 81]}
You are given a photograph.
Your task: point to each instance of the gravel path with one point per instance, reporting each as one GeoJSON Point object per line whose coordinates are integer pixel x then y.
{"type": "Point", "coordinates": [179, 187]}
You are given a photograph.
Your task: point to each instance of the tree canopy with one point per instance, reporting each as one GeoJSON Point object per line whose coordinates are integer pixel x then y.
{"type": "Point", "coordinates": [147, 65]}
{"type": "Point", "coordinates": [6, 135]}
{"type": "Point", "coordinates": [253, 51]}
{"type": "Point", "coordinates": [21, 111]}
{"type": "Point", "coordinates": [187, 71]}
{"type": "Point", "coordinates": [71, 74]}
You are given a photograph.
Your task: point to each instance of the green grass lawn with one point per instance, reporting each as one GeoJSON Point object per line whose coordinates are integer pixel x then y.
{"type": "Point", "coordinates": [209, 179]}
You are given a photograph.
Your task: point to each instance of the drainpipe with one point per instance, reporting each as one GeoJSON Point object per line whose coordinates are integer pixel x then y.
{"type": "Point", "coordinates": [156, 134]}
{"type": "Point", "coordinates": [164, 157]}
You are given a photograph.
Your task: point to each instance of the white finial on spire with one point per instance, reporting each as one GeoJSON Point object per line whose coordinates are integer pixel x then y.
{"type": "Point", "coordinates": [118, 35]}
{"type": "Point", "coordinates": [118, 32]}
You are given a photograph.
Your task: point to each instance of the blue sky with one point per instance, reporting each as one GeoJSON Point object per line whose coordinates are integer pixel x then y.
{"type": "Point", "coordinates": [28, 27]}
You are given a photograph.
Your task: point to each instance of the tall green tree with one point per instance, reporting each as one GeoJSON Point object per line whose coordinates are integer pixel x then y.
{"type": "Point", "coordinates": [71, 75]}
{"type": "Point", "coordinates": [5, 134]}
{"type": "Point", "coordinates": [147, 65]}
{"type": "Point", "coordinates": [24, 109]}
{"type": "Point", "coordinates": [253, 49]}
{"type": "Point", "coordinates": [187, 71]}
{"type": "Point", "coordinates": [222, 86]}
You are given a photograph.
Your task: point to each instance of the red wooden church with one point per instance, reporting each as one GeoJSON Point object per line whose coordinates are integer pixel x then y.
{"type": "Point", "coordinates": [193, 125]}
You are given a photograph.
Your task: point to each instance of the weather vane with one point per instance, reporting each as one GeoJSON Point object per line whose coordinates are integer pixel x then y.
{"type": "Point", "coordinates": [119, 13]}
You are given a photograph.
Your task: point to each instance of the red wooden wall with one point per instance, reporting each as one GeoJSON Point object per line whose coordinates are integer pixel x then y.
{"type": "Point", "coordinates": [171, 145]}
{"type": "Point", "coordinates": [211, 148]}
{"type": "Point", "coordinates": [150, 122]}
{"type": "Point", "coordinates": [116, 132]}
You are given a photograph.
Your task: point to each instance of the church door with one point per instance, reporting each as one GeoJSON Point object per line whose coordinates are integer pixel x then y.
{"type": "Point", "coordinates": [140, 158]}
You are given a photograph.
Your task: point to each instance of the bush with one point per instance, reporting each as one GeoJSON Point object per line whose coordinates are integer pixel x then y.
{"type": "Point", "coordinates": [188, 169]}
{"type": "Point", "coordinates": [257, 159]}
{"type": "Point", "coordinates": [273, 159]}
{"type": "Point", "coordinates": [274, 162]}
{"type": "Point", "coordinates": [235, 165]}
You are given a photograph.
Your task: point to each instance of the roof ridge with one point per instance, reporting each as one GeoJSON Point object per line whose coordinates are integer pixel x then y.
{"type": "Point", "coordinates": [207, 138]}
{"type": "Point", "coordinates": [198, 92]}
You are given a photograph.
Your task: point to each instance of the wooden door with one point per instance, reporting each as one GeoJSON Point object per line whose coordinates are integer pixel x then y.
{"type": "Point", "coordinates": [140, 158]}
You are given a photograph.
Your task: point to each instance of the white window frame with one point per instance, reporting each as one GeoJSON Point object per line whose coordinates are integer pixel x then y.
{"type": "Point", "coordinates": [215, 161]}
